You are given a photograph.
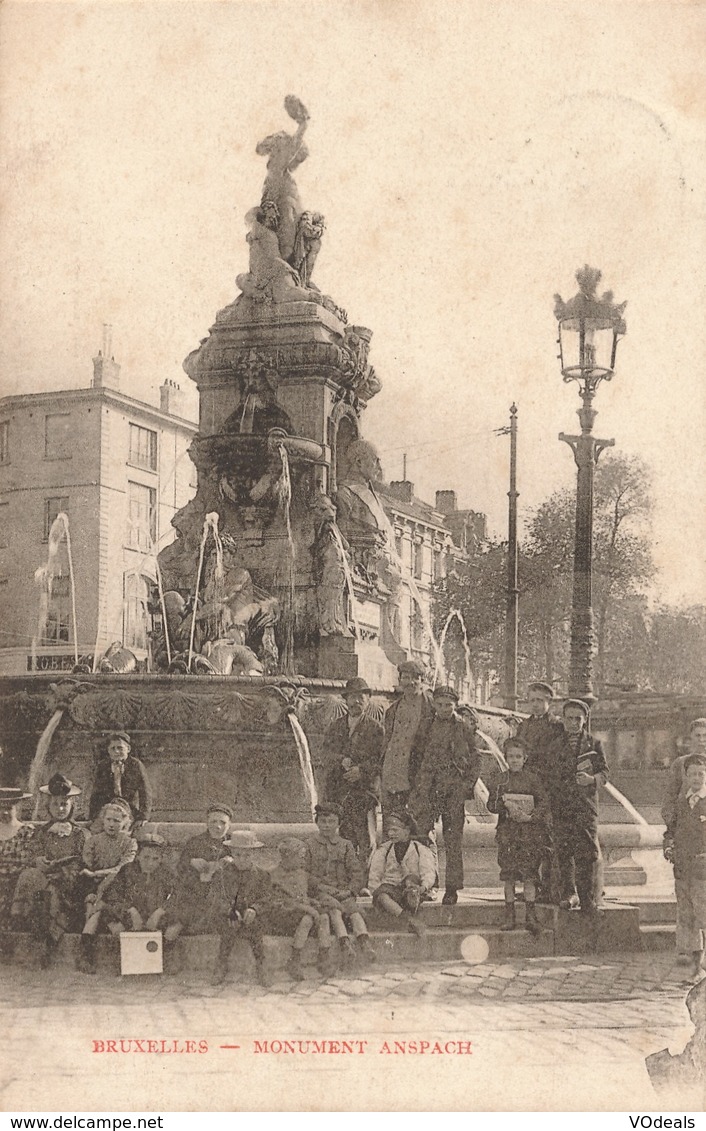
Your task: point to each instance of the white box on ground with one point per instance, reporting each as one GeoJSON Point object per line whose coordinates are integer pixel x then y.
{"type": "Point", "coordinates": [141, 952]}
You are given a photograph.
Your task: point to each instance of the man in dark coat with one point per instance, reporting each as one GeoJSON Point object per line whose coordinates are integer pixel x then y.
{"type": "Point", "coordinates": [353, 744]}
{"type": "Point", "coordinates": [446, 778]}
{"type": "Point", "coordinates": [120, 774]}
{"type": "Point", "coordinates": [576, 766]}
{"type": "Point", "coordinates": [407, 723]}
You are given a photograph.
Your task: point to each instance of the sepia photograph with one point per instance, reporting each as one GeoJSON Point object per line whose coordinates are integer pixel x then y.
{"type": "Point", "coordinates": [352, 556]}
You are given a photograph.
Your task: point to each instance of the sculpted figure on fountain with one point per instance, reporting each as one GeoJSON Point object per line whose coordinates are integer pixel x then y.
{"type": "Point", "coordinates": [328, 550]}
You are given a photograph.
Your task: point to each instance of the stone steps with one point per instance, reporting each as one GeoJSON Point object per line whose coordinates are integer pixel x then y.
{"type": "Point", "coordinates": [658, 936]}
{"type": "Point", "coordinates": [470, 930]}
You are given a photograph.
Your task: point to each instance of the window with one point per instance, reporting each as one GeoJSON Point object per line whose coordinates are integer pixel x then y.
{"type": "Point", "coordinates": [142, 517]}
{"type": "Point", "coordinates": [143, 447]}
{"type": "Point", "coordinates": [136, 622]}
{"type": "Point", "coordinates": [57, 436]}
{"type": "Point", "coordinates": [417, 559]}
{"type": "Point", "coordinates": [5, 441]}
{"type": "Point", "coordinates": [52, 507]}
{"type": "Point", "coordinates": [56, 630]}
{"type": "Point", "coordinates": [417, 630]}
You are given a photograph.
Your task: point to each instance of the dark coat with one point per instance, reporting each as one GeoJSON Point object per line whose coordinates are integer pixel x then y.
{"type": "Point", "coordinates": [419, 742]}
{"type": "Point", "coordinates": [146, 893]}
{"type": "Point", "coordinates": [134, 785]}
{"type": "Point", "coordinates": [450, 764]}
{"type": "Point", "coordinates": [364, 748]}
{"type": "Point", "coordinates": [521, 847]}
{"type": "Point", "coordinates": [686, 833]}
{"type": "Point", "coordinates": [571, 803]}
{"type": "Point", "coordinates": [539, 734]}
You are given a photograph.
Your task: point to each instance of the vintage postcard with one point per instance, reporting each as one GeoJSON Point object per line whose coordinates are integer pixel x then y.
{"type": "Point", "coordinates": [352, 709]}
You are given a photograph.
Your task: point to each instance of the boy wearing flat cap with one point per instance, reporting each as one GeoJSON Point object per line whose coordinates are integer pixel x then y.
{"type": "Point", "coordinates": [576, 767]}
{"type": "Point", "coordinates": [540, 729]}
{"type": "Point", "coordinates": [47, 898]}
{"type": "Point", "coordinates": [120, 774]}
{"type": "Point", "coordinates": [448, 773]}
{"type": "Point", "coordinates": [354, 744]}
{"type": "Point", "coordinates": [402, 872]}
{"type": "Point", "coordinates": [685, 848]}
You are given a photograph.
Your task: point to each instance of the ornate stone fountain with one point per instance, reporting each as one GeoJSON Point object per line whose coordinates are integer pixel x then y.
{"type": "Point", "coordinates": [284, 564]}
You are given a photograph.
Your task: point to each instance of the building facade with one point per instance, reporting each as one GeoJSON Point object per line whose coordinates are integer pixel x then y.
{"type": "Point", "coordinates": [118, 469]}
{"type": "Point", "coordinates": [431, 541]}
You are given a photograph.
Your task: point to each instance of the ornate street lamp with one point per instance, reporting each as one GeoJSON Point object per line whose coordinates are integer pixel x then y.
{"type": "Point", "coordinates": [589, 331]}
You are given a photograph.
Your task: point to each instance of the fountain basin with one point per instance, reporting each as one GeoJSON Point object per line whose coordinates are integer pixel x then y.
{"type": "Point", "coordinates": [201, 738]}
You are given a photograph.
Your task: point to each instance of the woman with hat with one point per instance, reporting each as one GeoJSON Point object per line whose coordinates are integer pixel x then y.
{"type": "Point", "coordinates": [15, 854]}
{"type": "Point", "coordinates": [47, 899]}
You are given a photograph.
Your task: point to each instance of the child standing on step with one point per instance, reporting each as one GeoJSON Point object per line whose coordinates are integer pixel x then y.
{"type": "Point", "coordinates": [522, 834]}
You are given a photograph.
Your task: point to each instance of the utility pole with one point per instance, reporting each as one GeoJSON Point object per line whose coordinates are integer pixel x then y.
{"type": "Point", "coordinates": [511, 615]}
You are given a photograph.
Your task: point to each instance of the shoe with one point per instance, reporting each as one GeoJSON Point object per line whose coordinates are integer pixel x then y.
{"type": "Point", "coordinates": [86, 961]}
{"type": "Point", "coordinates": [367, 950]}
{"type": "Point", "coordinates": [264, 976]}
{"type": "Point", "coordinates": [8, 941]}
{"type": "Point", "coordinates": [220, 973]}
{"type": "Point", "coordinates": [294, 966]}
{"type": "Point", "coordinates": [416, 927]}
{"type": "Point", "coordinates": [325, 963]}
{"type": "Point", "coordinates": [531, 923]}
{"type": "Point", "coordinates": [569, 904]}
{"type": "Point", "coordinates": [47, 950]}
{"type": "Point", "coordinates": [510, 921]}
{"type": "Point", "coordinates": [173, 960]}
{"type": "Point", "coordinates": [695, 972]}
{"type": "Point", "coordinates": [347, 950]}
{"type": "Point", "coordinates": [450, 897]}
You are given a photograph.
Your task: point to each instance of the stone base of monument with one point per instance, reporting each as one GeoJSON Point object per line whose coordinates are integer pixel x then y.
{"type": "Point", "coordinates": [471, 930]}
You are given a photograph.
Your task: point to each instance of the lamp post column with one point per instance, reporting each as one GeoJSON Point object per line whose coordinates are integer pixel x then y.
{"type": "Point", "coordinates": [586, 449]}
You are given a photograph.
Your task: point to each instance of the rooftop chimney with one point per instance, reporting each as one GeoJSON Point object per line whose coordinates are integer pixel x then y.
{"type": "Point", "coordinates": [402, 489]}
{"type": "Point", "coordinates": [106, 371]}
{"type": "Point", "coordinates": [171, 398]}
{"type": "Point", "coordinates": [446, 502]}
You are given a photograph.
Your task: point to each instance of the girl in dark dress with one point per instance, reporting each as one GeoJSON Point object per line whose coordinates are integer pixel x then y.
{"type": "Point", "coordinates": [522, 833]}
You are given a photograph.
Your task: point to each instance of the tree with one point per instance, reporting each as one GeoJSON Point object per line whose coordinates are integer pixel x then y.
{"type": "Point", "coordinates": [678, 649]}
{"type": "Point", "coordinates": [622, 572]}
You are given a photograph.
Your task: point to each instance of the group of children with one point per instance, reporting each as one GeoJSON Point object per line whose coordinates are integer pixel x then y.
{"type": "Point", "coordinates": [115, 877]}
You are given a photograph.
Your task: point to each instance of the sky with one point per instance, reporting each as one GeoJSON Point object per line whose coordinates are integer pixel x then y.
{"type": "Point", "coordinates": [468, 158]}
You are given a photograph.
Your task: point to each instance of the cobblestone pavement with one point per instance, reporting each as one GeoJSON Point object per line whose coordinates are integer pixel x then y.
{"type": "Point", "coordinates": [571, 1032]}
